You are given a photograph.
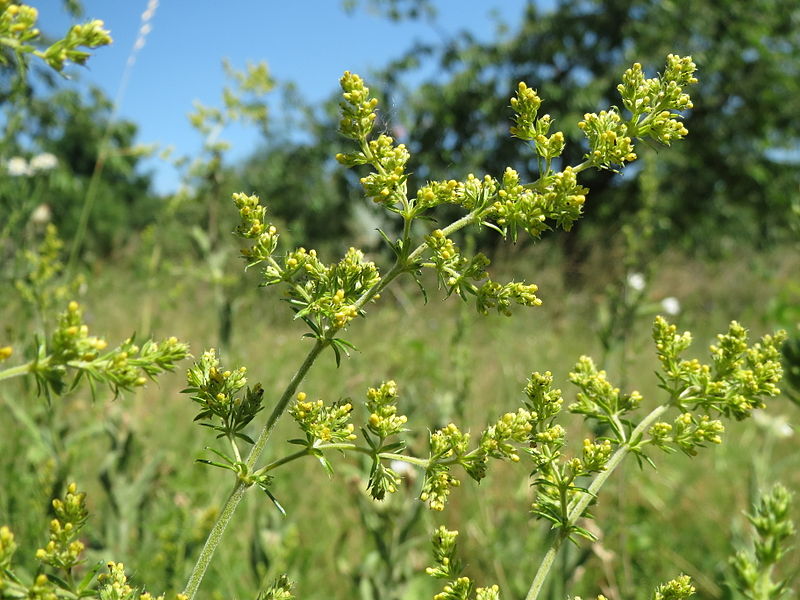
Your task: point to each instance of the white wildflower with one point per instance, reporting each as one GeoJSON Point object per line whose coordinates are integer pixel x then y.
{"type": "Point", "coordinates": [43, 162]}
{"type": "Point", "coordinates": [41, 214]}
{"type": "Point", "coordinates": [671, 305]}
{"type": "Point", "coordinates": [401, 467]}
{"type": "Point", "coordinates": [17, 166]}
{"type": "Point", "coordinates": [636, 281]}
{"type": "Point", "coordinates": [777, 425]}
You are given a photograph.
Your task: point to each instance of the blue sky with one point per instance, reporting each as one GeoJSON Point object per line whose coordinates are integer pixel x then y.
{"type": "Point", "coordinates": [310, 43]}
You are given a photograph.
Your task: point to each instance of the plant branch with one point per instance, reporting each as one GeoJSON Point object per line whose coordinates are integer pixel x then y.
{"type": "Point", "coordinates": [580, 506]}
{"type": "Point", "coordinates": [400, 266]}
{"type": "Point", "coordinates": [16, 371]}
{"type": "Point", "coordinates": [215, 536]}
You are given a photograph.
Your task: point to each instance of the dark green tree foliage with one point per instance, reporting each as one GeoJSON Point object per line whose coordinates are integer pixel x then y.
{"type": "Point", "coordinates": [73, 126]}
{"type": "Point", "coordinates": [396, 10]}
{"type": "Point", "coordinates": [738, 172]}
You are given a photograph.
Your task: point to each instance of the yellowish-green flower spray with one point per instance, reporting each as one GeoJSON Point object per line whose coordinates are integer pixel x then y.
{"type": "Point", "coordinates": [329, 297]}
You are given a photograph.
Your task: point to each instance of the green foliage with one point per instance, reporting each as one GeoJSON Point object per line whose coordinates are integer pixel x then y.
{"type": "Point", "coordinates": [791, 365]}
{"type": "Point", "coordinates": [773, 528]}
{"type": "Point", "coordinates": [395, 10]}
{"type": "Point", "coordinates": [72, 129]}
{"type": "Point", "coordinates": [62, 554]}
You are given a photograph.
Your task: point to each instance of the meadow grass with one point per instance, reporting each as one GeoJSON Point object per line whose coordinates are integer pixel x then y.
{"type": "Point", "coordinates": [163, 504]}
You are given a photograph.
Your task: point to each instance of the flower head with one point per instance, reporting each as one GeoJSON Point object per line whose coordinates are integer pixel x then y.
{"type": "Point", "coordinates": [671, 305]}
{"type": "Point", "coordinates": [636, 281]}
{"type": "Point", "coordinates": [43, 162]}
{"type": "Point", "coordinates": [18, 166]}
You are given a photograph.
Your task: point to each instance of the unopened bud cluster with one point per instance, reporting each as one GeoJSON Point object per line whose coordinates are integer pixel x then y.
{"type": "Point", "coordinates": [324, 296]}
{"type": "Point", "coordinates": [739, 379]}
{"type": "Point", "coordinates": [447, 566]}
{"type": "Point", "coordinates": [687, 432]}
{"type": "Point", "coordinates": [18, 31]}
{"type": "Point", "coordinates": [511, 426]}
{"type": "Point", "coordinates": [323, 423]}
{"type": "Point", "coordinates": [64, 548]}
{"type": "Point", "coordinates": [386, 184]}
{"type": "Point", "coordinates": [609, 143]}
{"type": "Point", "coordinates": [598, 397]}
{"type": "Point", "coordinates": [382, 404]}
{"type": "Point", "coordinates": [224, 406]}
{"type": "Point", "coordinates": [114, 586]}
{"type": "Point", "coordinates": [358, 108]}
{"type": "Point", "coordinates": [653, 102]}
{"type": "Point", "coordinates": [89, 35]}
{"type": "Point", "coordinates": [123, 368]}
{"type": "Point", "coordinates": [18, 21]}
{"type": "Point", "coordinates": [383, 423]}
{"type": "Point", "coordinates": [253, 226]}
{"type": "Point", "coordinates": [468, 278]}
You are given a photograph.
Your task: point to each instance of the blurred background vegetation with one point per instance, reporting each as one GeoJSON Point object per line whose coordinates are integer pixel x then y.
{"type": "Point", "coordinates": [713, 223]}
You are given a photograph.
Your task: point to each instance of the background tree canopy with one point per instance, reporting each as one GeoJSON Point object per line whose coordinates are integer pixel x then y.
{"type": "Point", "coordinates": [736, 176]}
{"type": "Point", "coordinates": [72, 127]}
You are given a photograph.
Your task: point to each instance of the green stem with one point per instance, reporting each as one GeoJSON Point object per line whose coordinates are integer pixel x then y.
{"type": "Point", "coordinates": [545, 566]}
{"type": "Point", "coordinates": [283, 403]}
{"type": "Point", "coordinates": [16, 371]}
{"type": "Point", "coordinates": [235, 448]}
{"type": "Point", "coordinates": [453, 227]}
{"type": "Point", "coordinates": [232, 503]}
{"type": "Point", "coordinates": [582, 166]}
{"type": "Point", "coordinates": [286, 459]}
{"type": "Point", "coordinates": [580, 506]}
{"type": "Point", "coordinates": [413, 460]}
{"type": "Point", "coordinates": [214, 538]}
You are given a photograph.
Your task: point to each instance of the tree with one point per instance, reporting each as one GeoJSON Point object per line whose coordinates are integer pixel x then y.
{"type": "Point", "coordinates": [736, 176]}
{"type": "Point", "coordinates": [72, 127]}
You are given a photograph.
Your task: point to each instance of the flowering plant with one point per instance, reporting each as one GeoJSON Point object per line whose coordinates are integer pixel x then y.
{"type": "Point", "coordinates": [330, 297]}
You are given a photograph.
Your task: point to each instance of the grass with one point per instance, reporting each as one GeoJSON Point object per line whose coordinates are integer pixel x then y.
{"type": "Point", "coordinates": [153, 506]}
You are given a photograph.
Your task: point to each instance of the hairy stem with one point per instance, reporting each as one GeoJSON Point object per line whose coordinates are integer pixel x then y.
{"type": "Point", "coordinates": [215, 536]}
{"type": "Point", "coordinates": [412, 460]}
{"type": "Point", "coordinates": [580, 506]}
{"type": "Point", "coordinates": [16, 371]}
